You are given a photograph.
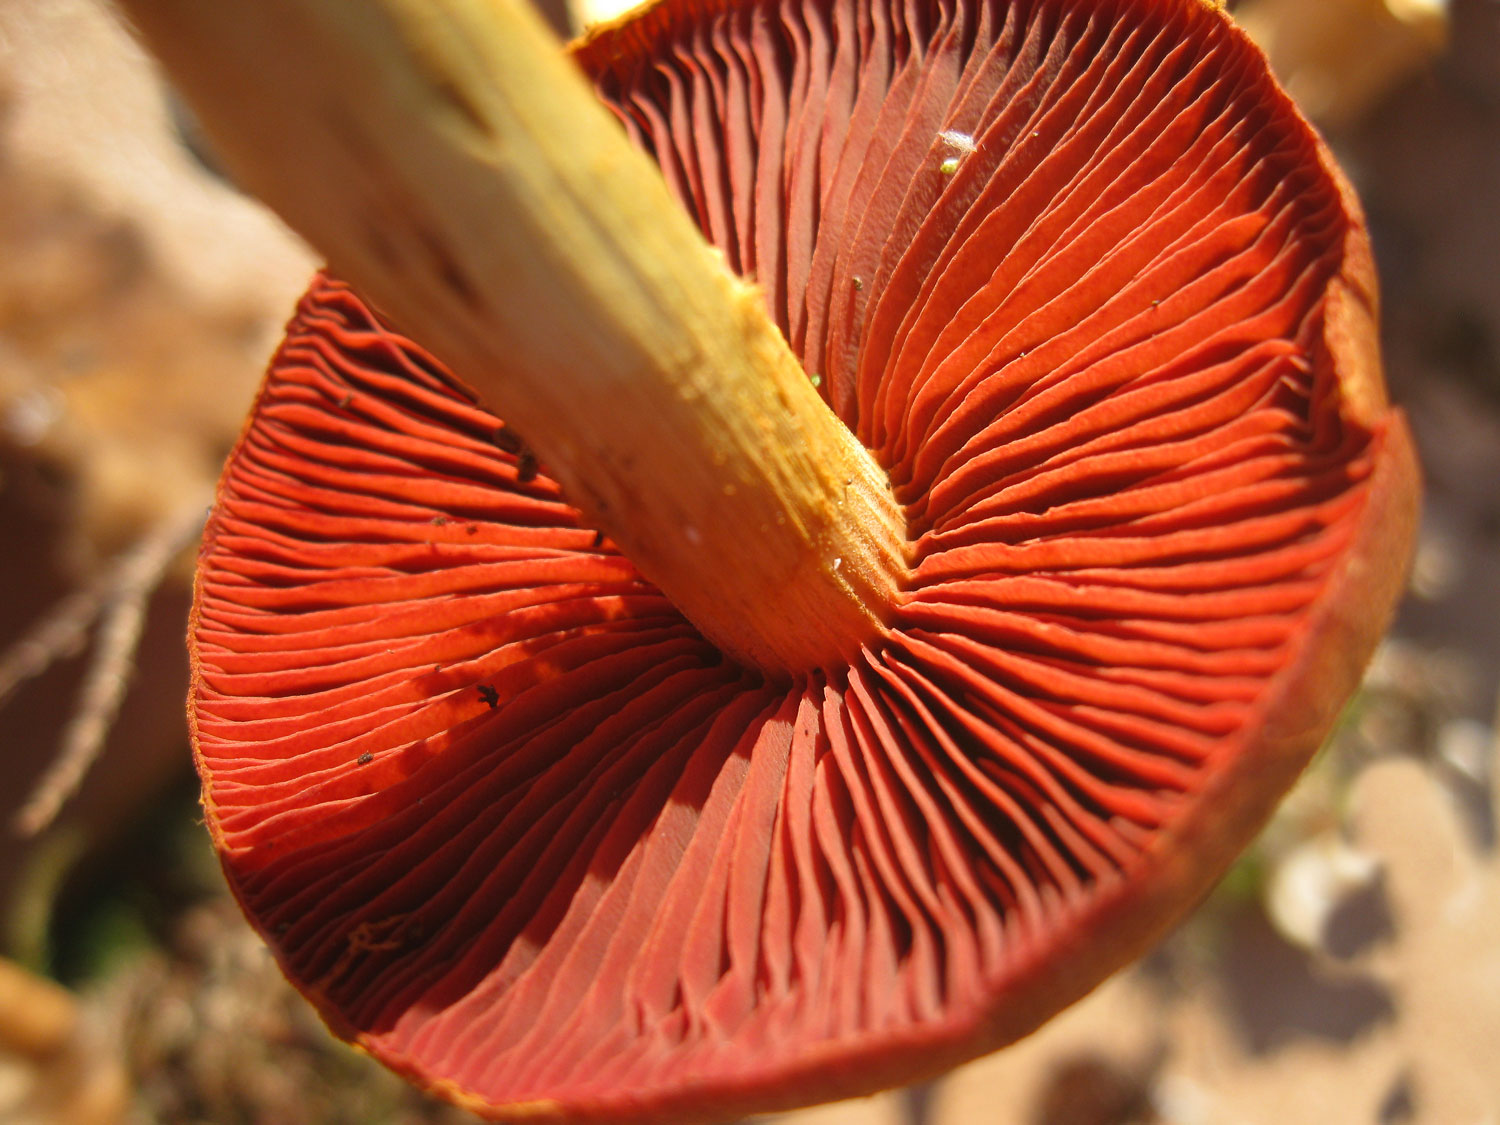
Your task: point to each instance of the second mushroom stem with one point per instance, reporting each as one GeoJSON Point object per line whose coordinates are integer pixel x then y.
{"type": "Point", "coordinates": [454, 166]}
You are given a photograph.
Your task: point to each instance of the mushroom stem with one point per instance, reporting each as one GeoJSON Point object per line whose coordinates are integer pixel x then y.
{"type": "Point", "coordinates": [454, 167]}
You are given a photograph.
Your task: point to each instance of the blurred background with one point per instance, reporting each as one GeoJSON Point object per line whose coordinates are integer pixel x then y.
{"type": "Point", "coordinates": [1347, 971]}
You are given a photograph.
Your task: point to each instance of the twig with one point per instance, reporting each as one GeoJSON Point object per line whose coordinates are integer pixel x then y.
{"type": "Point", "coordinates": [130, 581]}
{"type": "Point", "coordinates": [57, 636]}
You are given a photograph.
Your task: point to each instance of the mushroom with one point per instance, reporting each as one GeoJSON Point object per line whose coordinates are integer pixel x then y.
{"type": "Point", "coordinates": [558, 840]}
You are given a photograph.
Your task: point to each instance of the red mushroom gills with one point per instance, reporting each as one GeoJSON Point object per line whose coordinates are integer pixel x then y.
{"type": "Point", "coordinates": [1099, 301]}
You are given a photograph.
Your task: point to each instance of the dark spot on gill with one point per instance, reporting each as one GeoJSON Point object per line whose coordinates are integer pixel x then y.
{"type": "Point", "coordinates": [526, 467]}
{"type": "Point", "coordinates": [508, 440]}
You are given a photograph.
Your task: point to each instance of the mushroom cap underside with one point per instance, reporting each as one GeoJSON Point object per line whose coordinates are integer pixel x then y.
{"type": "Point", "coordinates": [1095, 297]}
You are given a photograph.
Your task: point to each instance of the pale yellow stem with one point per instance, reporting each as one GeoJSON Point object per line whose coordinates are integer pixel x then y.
{"type": "Point", "coordinates": [455, 167]}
